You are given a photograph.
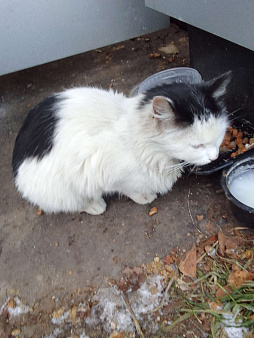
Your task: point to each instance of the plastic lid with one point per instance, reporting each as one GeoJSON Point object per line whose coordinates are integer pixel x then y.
{"type": "Point", "coordinates": [182, 74]}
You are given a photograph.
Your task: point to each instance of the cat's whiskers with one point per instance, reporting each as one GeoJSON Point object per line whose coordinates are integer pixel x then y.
{"type": "Point", "coordinates": [194, 169]}
{"type": "Point", "coordinates": [231, 120]}
{"type": "Point", "coordinates": [178, 166]}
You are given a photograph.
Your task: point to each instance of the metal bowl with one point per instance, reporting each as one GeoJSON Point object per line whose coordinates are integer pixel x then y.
{"type": "Point", "coordinates": [241, 211]}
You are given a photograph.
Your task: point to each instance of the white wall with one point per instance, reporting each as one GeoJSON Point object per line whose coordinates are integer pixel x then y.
{"type": "Point", "coordinates": [232, 20]}
{"type": "Point", "coordinates": [33, 32]}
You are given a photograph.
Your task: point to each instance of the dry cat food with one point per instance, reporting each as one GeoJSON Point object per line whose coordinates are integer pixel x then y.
{"type": "Point", "coordinates": [236, 141]}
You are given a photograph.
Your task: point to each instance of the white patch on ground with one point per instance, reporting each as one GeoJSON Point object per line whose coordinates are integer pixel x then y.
{"type": "Point", "coordinates": [112, 313]}
{"type": "Point", "coordinates": [19, 308]}
{"type": "Point", "coordinates": [233, 332]}
{"type": "Point", "coordinates": [146, 301]}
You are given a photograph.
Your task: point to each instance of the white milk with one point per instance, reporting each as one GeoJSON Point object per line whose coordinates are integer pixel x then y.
{"type": "Point", "coordinates": [242, 187]}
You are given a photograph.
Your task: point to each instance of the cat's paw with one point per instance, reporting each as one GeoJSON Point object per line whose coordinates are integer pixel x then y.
{"type": "Point", "coordinates": [143, 198]}
{"type": "Point", "coordinates": [96, 207]}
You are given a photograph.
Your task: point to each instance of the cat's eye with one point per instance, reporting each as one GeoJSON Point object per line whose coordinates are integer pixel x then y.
{"type": "Point", "coordinates": [197, 146]}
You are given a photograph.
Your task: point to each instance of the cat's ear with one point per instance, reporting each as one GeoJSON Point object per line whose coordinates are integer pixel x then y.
{"type": "Point", "coordinates": [163, 108]}
{"type": "Point", "coordinates": [218, 86]}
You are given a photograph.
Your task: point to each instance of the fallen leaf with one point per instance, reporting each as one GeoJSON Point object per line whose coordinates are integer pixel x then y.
{"type": "Point", "coordinates": [119, 47]}
{"type": "Point", "coordinates": [38, 212]}
{"type": "Point", "coordinates": [208, 242]}
{"type": "Point", "coordinates": [111, 282]}
{"type": "Point", "coordinates": [220, 293]}
{"type": "Point", "coordinates": [11, 303]}
{"type": "Point", "coordinates": [229, 245]}
{"type": "Point", "coordinates": [236, 267]}
{"type": "Point", "coordinates": [153, 211]}
{"type": "Point", "coordinates": [237, 278]}
{"type": "Point", "coordinates": [247, 254]}
{"type": "Point", "coordinates": [122, 285]}
{"type": "Point", "coordinates": [154, 56]}
{"type": "Point", "coordinates": [170, 48]}
{"type": "Point", "coordinates": [116, 335]}
{"type": "Point", "coordinates": [182, 285]}
{"type": "Point", "coordinates": [215, 305]}
{"type": "Point", "coordinates": [153, 290]}
{"type": "Point", "coordinates": [15, 332]}
{"type": "Point", "coordinates": [73, 314]}
{"type": "Point", "coordinates": [210, 251]}
{"type": "Point", "coordinates": [168, 268]}
{"type": "Point", "coordinates": [188, 265]}
{"type": "Point", "coordinates": [222, 243]}
{"type": "Point", "coordinates": [58, 313]}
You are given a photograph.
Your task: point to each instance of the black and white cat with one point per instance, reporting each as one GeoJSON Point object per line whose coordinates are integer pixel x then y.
{"type": "Point", "coordinates": [83, 143]}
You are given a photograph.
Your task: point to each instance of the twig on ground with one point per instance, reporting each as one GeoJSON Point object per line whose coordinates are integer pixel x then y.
{"type": "Point", "coordinates": [188, 204]}
{"type": "Point", "coordinates": [166, 292]}
{"type": "Point", "coordinates": [136, 323]}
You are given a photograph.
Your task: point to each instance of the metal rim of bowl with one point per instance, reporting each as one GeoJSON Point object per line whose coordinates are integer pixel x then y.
{"type": "Point", "coordinates": [226, 172]}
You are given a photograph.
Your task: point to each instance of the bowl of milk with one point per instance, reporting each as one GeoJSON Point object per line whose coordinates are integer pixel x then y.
{"type": "Point", "coordinates": [238, 184]}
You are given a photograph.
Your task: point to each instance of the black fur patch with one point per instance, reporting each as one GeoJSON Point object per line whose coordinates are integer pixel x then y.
{"type": "Point", "coordinates": [188, 101]}
{"type": "Point", "coordinates": [35, 138]}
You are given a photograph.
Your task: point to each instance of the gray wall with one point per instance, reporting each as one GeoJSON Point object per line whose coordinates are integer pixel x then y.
{"type": "Point", "coordinates": [38, 31]}
{"type": "Point", "coordinates": [232, 20]}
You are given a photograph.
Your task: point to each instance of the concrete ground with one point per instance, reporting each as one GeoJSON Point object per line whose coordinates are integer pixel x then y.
{"type": "Point", "coordinates": [55, 255]}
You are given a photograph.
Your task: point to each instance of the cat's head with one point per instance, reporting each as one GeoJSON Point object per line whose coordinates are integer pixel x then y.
{"type": "Point", "coordinates": [192, 118]}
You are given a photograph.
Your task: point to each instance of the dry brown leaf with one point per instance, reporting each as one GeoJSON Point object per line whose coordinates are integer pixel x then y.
{"type": "Point", "coordinates": [153, 211]}
{"type": "Point", "coordinates": [15, 332]}
{"type": "Point", "coordinates": [222, 243]}
{"type": "Point", "coordinates": [221, 293]}
{"type": "Point", "coordinates": [168, 268]}
{"type": "Point", "coordinates": [170, 48]}
{"type": "Point", "coordinates": [11, 303]}
{"type": "Point", "coordinates": [208, 242]}
{"type": "Point", "coordinates": [182, 285]}
{"type": "Point", "coordinates": [189, 264]}
{"type": "Point", "coordinates": [154, 55]}
{"type": "Point", "coordinates": [153, 290]}
{"type": "Point", "coordinates": [119, 47]}
{"type": "Point", "coordinates": [237, 278]}
{"type": "Point", "coordinates": [116, 335]}
{"type": "Point", "coordinates": [230, 245]}
{"type": "Point", "coordinates": [247, 254]}
{"type": "Point", "coordinates": [58, 313]}
{"type": "Point", "coordinates": [122, 285]}
{"type": "Point", "coordinates": [215, 305]}
{"type": "Point", "coordinates": [38, 212]}
{"type": "Point", "coordinates": [236, 267]}
{"type": "Point", "coordinates": [73, 314]}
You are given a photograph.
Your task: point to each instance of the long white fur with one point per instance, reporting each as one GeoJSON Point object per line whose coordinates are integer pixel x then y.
{"type": "Point", "coordinates": [102, 144]}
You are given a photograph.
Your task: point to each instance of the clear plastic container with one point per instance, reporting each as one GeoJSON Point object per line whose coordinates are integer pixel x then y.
{"type": "Point", "coordinates": [181, 74]}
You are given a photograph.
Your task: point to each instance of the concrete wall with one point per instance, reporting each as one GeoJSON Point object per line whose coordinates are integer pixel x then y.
{"type": "Point", "coordinates": [39, 31]}
{"type": "Point", "coordinates": [232, 20]}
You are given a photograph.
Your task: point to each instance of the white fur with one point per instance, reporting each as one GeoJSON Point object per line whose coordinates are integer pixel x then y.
{"type": "Point", "coordinates": [102, 144]}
